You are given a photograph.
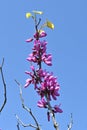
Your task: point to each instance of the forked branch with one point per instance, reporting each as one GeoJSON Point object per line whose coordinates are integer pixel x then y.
{"type": "Point", "coordinates": [28, 110]}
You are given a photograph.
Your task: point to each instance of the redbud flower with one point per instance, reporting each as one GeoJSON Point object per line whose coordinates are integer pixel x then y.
{"type": "Point", "coordinates": [42, 103]}
{"type": "Point", "coordinates": [37, 35]}
{"type": "Point", "coordinates": [42, 33]}
{"type": "Point", "coordinates": [28, 82]}
{"type": "Point", "coordinates": [29, 40]}
{"type": "Point", "coordinates": [32, 68]}
{"type": "Point", "coordinates": [57, 109]}
{"type": "Point", "coordinates": [47, 59]}
{"type": "Point", "coordinates": [45, 83]}
{"type": "Point", "coordinates": [39, 53]}
{"type": "Point", "coordinates": [49, 86]}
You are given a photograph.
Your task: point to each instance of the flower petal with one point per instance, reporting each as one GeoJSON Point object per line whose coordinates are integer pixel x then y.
{"type": "Point", "coordinates": [29, 40]}
{"type": "Point", "coordinates": [28, 82]}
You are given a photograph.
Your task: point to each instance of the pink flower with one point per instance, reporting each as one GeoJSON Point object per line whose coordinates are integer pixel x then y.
{"type": "Point", "coordinates": [32, 58]}
{"type": "Point", "coordinates": [32, 68]}
{"type": "Point", "coordinates": [47, 59]}
{"type": "Point", "coordinates": [39, 53]}
{"type": "Point", "coordinates": [57, 109]}
{"type": "Point", "coordinates": [38, 35]}
{"type": "Point", "coordinates": [49, 85]}
{"type": "Point", "coordinates": [29, 40]}
{"type": "Point", "coordinates": [43, 34]}
{"type": "Point", "coordinates": [28, 82]}
{"type": "Point", "coordinates": [42, 103]}
{"type": "Point", "coordinates": [45, 83]}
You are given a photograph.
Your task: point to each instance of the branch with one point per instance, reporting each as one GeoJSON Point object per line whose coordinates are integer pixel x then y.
{"type": "Point", "coordinates": [24, 125]}
{"type": "Point", "coordinates": [4, 86]}
{"type": "Point", "coordinates": [18, 128]}
{"type": "Point", "coordinates": [71, 123]}
{"type": "Point", "coordinates": [56, 125]}
{"type": "Point", "coordinates": [28, 110]}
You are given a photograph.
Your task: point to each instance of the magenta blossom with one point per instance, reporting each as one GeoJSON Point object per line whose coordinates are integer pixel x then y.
{"type": "Point", "coordinates": [49, 86]}
{"type": "Point", "coordinates": [57, 109]}
{"type": "Point", "coordinates": [33, 80]}
{"type": "Point", "coordinates": [37, 35]}
{"type": "Point", "coordinates": [42, 103]}
{"type": "Point", "coordinates": [28, 82]}
{"type": "Point", "coordinates": [45, 83]}
{"type": "Point", "coordinates": [29, 40]}
{"type": "Point", "coordinates": [47, 59]}
{"type": "Point", "coordinates": [39, 53]}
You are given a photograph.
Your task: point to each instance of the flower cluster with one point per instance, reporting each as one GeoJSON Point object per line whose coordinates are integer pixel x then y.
{"type": "Point", "coordinates": [49, 86]}
{"type": "Point", "coordinates": [39, 55]}
{"type": "Point", "coordinates": [45, 83]}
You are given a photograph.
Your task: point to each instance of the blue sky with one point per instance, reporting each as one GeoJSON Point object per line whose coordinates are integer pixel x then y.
{"type": "Point", "coordinates": [68, 45]}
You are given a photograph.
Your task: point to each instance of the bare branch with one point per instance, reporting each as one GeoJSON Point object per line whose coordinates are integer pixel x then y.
{"type": "Point", "coordinates": [24, 125]}
{"type": "Point", "coordinates": [18, 128]}
{"type": "Point", "coordinates": [4, 86]}
{"type": "Point", "coordinates": [71, 123]}
{"type": "Point", "coordinates": [55, 124]}
{"type": "Point", "coordinates": [28, 110]}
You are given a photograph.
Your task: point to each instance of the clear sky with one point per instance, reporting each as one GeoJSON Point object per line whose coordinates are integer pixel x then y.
{"type": "Point", "coordinates": [68, 45]}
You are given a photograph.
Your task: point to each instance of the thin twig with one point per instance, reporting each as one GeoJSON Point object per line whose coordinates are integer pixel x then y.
{"type": "Point", "coordinates": [28, 110]}
{"type": "Point", "coordinates": [18, 128]}
{"type": "Point", "coordinates": [56, 125]}
{"type": "Point", "coordinates": [38, 22]}
{"type": "Point", "coordinates": [24, 125]}
{"type": "Point", "coordinates": [4, 86]}
{"type": "Point", "coordinates": [71, 123]}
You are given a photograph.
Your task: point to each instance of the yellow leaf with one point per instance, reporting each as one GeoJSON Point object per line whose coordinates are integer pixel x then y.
{"type": "Point", "coordinates": [28, 15]}
{"type": "Point", "coordinates": [37, 12]}
{"type": "Point", "coordinates": [50, 24]}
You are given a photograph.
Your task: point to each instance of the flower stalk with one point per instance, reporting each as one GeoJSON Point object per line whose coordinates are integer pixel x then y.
{"type": "Point", "coordinates": [45, 83]}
